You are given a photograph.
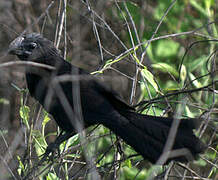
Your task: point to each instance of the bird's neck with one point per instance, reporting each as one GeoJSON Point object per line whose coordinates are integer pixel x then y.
{"type": "Point", "coordinates": [37, 85]}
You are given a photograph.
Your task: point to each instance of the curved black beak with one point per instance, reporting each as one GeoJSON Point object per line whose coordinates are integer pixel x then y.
{"type": "Point", "coordinates": [15, 47]}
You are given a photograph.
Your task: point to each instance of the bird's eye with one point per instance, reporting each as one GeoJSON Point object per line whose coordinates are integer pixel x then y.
{"type": "Point", "coordinates": [32, 45]}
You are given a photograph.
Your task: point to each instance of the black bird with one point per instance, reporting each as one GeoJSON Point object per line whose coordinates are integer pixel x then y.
{"type": "Point", "coordinates": [65, 88]}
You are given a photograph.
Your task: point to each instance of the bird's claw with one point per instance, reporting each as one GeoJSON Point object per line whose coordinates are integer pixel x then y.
{"type": "Point", "coordinates": [50, 151]}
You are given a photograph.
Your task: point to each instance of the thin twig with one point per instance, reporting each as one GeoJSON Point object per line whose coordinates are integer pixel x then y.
{"type": "Point", "coordinates": [26, 63]}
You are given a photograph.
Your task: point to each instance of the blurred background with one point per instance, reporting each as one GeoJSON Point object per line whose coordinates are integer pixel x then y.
{"type": "Point", "coordinates": [145, 50]}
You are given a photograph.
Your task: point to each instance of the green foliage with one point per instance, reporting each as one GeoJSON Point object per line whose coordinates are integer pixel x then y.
{"type": "Point", "coordinates": [132, 173]}
{"type": "Point", "coordinates": [166, 68]}
{"type": "Point", "coordinates": [24, 114]}
{"type": "Point", "coordinates": [39, 142]}
{"type": "Point", "coordinates": [166, 49]}
{"type": "Point", "coordinates": [21, 166]}
{"type": "Point", "coordinates": [52, 176]}
{"type": "Point", "coordinates": [150, 78]}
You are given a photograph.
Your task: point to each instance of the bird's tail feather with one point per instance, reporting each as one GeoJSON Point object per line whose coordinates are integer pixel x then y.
{"type": "Point", "coordinates": [148, 135]}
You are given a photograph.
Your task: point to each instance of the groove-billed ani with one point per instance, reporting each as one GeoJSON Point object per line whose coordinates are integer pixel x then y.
{"type": "Point", "coordinates": [59, 96]}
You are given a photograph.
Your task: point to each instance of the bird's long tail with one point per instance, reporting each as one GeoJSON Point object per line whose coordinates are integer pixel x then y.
{"type": "Point", "coordinates": [148, 135]}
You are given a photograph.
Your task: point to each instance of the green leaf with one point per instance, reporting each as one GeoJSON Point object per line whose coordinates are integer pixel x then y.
{"type": "Point", "coordinates": [188, 112]}
{"type": "Point", "coordinates": [195, 81]}
{"type": "Point", "coordinates": [133, 173]}
{"type": "Point", "coordinates": [52, 176]}
{"type": "Point", "coordinates": [149, 51]}
{"type": "Point", "coordinates": [74, 140]}
{"type": "Point", "coordinates": [21, 167]}
{"type": "Point", "coordinates": [164, 67]}
{"type": "Point", "coordinates": [39, 142]}
{"type": "Point", "coordinates": [198, 6]}
{"type": "Point", "coordinates": [183, 73]}
{"type": "Point", "coordinates": [24, 114]}
{"type": "Point", "coordinates": [46, 118]}
{"type": "Point", "coordinates": [196, 63]}
{"type": "Point", "coordinates": [70, 142]}
{"type": "Point", "coordinates": [150, 78]}
{"type": "Point", "coordinates": [200, 162]}
{"type": "Point", "coordinates": [167, 48]}
{"type": "Point", "coordinates": [128, 163]}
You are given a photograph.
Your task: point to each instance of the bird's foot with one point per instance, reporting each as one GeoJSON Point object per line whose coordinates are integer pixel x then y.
{"type": "Point", "coordinates": [52, 147]}
{"type": "Point", "coordinates": [50, 151]}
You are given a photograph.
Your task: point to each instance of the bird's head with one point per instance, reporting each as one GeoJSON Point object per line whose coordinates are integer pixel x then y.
{"type": "Point", "coordinates": [31, 47]}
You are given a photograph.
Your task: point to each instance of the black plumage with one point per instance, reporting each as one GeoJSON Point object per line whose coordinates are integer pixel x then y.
{"type": "Point", "coordinates": [68, 91]}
